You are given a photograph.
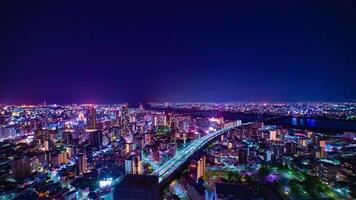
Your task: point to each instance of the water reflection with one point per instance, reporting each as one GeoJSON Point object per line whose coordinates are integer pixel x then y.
{"type": "Point", "coordinates": [318, 123]}
{"type": "Point", "coordinates": [311, 122]}
{"type": "Point", "coordinates": [294, 121]}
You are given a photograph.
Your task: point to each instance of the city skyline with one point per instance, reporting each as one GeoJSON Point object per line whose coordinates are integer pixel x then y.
{"type": "Point", "coordinates": [175, 100]}
{"type": "Point", "coordinates": [178, 151]}
{"type": "Point", "coordinates": [157, 52]}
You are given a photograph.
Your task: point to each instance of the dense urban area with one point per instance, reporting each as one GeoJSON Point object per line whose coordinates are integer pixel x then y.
{"type": "Point", "coordinates": [325, 110]}
{"type": "Point", "coordinates": [176, 151]}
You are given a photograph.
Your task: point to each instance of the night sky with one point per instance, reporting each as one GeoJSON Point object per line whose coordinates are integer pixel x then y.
{"type": "Point", "coordinates": [206, 51]}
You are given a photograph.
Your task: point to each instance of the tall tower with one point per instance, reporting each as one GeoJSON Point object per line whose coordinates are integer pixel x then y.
{"type": "Point", "coordinates": [125, 116]}
{"type": "Point", "coordinates": [168, 119]}
{"type": "Point", "coordinates": [91, 118]}
{"type": "Point", "coordinates": [131, 165]}
{"type": "Point", "coordinates": [201, 165]}
{"type": "Point", "coordinates": [82, 165]}
{"type": "Point", "coordinates": [118, 115]}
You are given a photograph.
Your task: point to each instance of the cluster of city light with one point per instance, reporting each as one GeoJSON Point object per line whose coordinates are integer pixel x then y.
{"type": "Point", "coordinates": [171, 165]}
{"type": "Point", "coordinates": [105, 183]}
{"type": "Point", "coordinates": [343, 110]}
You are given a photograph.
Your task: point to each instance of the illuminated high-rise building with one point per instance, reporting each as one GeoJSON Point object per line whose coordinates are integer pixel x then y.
{"type": "Point", "coordinates": [148, 137]}
{"type": "Point", "coordinates": [222, 138]}
{"type": "Point", "coordinates": [322, 143]}
{"type": "Point", "coordinates": [125, 117]}
{"type": "Point", "coordinates": [155, 121]}
{"type": "Point", "coordinates": [141, 108]}
{"type": "Point", "coordinates": [128, 147]}
{"type": "Point", "coordinates": [309, 134]}
{"type": "Point", "coordinates": [81, 117]}
{"type": "Point", "coordinates": [132, 119]}
{"type": "Point", "coordinates": [47, 145]}
{"type": "Point", "coordinates": [268, 155]}
{"type": "Point", "coordinates": [7, 132]}
{"type": "Point", "coordinates": [327, 170]}
{"type": "Point", "coordinates": [70, 151]}
{"type": "Point", "coordinates": [131, 165]}
{"type": "Point", "coordinates": [63, 157]}
{"type": "Point", "coordinates": [320, 153]}
{"type": "Point", "coordinates": [201, 165]}
{"type": "Point", "coordinates": [347, 171]}
{"type": "Point", "coordinates": [82, 165]}
{"type": "Point", "coordinates": [79, 129]}
{"type": "Point", "coordinates": [140, 168]}
{"type": "Point", "coordinates": [168, 120]}
{"type": "Point", "coordinates": [91, 118]}
{"type": "Point", "coordinates": [118, 117]}
{"type": "Point", "coordinates": [273, 135]}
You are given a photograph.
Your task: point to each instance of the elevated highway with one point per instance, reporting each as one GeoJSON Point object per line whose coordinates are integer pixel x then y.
{"type": "Point", "coordinates": [172, 166]}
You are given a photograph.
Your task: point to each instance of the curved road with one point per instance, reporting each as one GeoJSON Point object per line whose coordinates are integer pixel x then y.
{"type": "Point", "coordinates": [174, 163]}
